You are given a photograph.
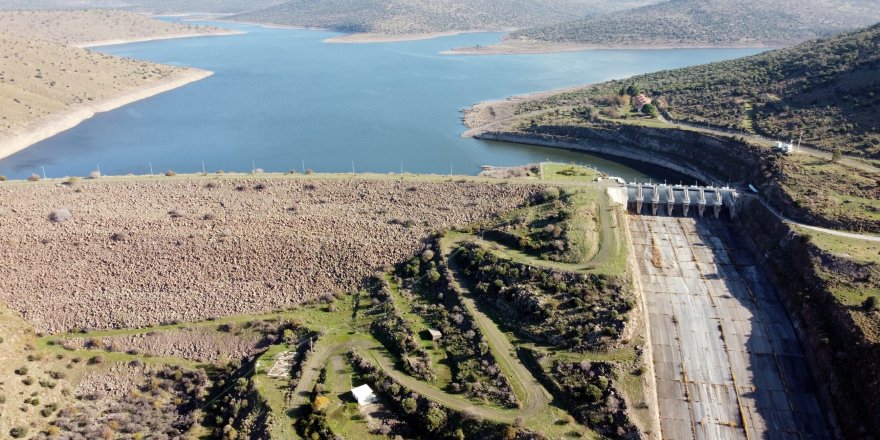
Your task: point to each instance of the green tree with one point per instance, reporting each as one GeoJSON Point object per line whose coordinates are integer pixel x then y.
{"type": "Point", "coordinates": [870, 303]}
{"type": "Point", "coordinates": [836, 155]}
{"type": "Point", "coordinates": [651, 109]}
{"type": "Point", "coordinates": [435, 418]}
{"type": "Point", "coordinates": [633, 90]}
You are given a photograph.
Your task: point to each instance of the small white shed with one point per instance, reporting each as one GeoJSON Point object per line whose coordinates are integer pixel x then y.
{"type": "Point", "coordinates": [363, 394]}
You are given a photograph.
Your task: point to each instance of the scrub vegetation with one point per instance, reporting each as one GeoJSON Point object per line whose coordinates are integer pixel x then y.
{"type": "Point", "coordinates": [689, 23]}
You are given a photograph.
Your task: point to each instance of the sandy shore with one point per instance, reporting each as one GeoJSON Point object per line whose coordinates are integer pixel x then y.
{"type": "Point", "coordinates": [163, 37]}
{"type": "Point", "coordinates": [515, 47]}
{"type": "Point", "coordinates": [386, 38]}
{"type": "Point", "coordinates": [51, 125]}
{"type": "Point", "coordinates": [498, 114]}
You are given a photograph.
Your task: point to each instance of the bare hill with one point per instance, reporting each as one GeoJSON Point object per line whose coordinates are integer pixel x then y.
{"type": "Point", "coordinates": [47, 87]}
{"type": "Point", "coordinates": [394, 17]}
{"type": "Point", "coordinates": [683, 23]}
{"type": "Point", "coordinates": [79, 27]}
{"type": "Point", "coordinates": [154, 6]}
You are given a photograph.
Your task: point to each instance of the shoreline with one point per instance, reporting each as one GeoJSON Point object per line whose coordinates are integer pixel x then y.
{"type": "Point", "coordinates": [51, 125]}
{"type": "Point", "coordinates": [92, 44]}
{"type": "Point", "coordinates": [370, 37]}
{"type": "Point", "coordinates": [507, 47]}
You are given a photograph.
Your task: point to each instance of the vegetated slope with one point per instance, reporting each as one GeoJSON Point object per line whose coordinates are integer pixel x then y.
{"type": "Point", "coordinates": [826, 90]}
{"type": "Point", "coordinates": [422, 16]}
{"type": "Point", "coordinates": [76, 27]}
{"type": "Point", "coordinates": [713, 23]}
{"type": "Point", "coordinates": [38, 78]}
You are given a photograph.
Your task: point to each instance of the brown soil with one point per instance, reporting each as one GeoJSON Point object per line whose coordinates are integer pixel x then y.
{"type": "Point", "coordinates": [197, 344]}
{"type": "Point", "coordinates": [124, 260]}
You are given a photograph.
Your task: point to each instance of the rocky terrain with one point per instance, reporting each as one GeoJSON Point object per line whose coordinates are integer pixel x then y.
{"type": "Point", "coordinates": [135, 253]}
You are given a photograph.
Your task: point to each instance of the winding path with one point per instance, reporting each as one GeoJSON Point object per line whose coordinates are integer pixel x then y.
{"type": "Point", "coordinates": [835, 232]}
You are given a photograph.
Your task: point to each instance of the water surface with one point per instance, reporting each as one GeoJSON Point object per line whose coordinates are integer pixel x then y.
{"type": "Point", "coordinates": [281, 99]}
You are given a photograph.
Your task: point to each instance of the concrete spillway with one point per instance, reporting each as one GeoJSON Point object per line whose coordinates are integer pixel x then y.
{"type": "Point", "coordinates": [667, 197]}
{"type": "Point", "coordinates": [727, 360]}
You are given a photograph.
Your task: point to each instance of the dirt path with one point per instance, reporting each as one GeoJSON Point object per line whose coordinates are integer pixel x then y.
{"type": "Point", "coordinates": [532, 395]}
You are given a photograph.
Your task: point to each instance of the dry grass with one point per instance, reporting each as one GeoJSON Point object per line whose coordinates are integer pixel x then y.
{"type": "Point", "coordinates": [73, 27]}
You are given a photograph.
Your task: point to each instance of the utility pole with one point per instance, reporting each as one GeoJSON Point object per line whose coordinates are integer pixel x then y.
{"type": "Point", "coordinates": [204, 173]}
{"type": "Point", "coordinates": [44, 172]}
{"type": "Point", "coordinates": [304, 166]}
{"type": "Point", "coordinates": [253, 167]}
{"type": "Point", "coordinates": [352, 167]}
{"type": "Point", "coordinates": [151, 168]}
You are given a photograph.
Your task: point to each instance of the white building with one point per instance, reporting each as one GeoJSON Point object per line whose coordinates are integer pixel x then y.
{"type": "Point", "coordinates": [785, 148]}
{"type": "Point", "coordinates": [363, 394]}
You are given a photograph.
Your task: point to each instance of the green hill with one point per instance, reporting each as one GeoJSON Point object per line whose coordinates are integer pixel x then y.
{"type": "Point", "coordinates": [420, 16]}
{"type": "Point", "coordinates": [685, 23]}
{"type": "Point", "coordinates": [828, 91]}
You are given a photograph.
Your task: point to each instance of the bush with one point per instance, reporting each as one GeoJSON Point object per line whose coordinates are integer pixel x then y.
{"type": "Point", "coordinates": [870, 303]}
{"type": "Point", "coordinates": [3, 178]}
{"type": "Point", "coordinates": [60, 215]}
{"type": "Point", "coordinates": [95, 174]}
{"type": "Point", "coordinates": [34, 177]}
{"type": "Point", "coordinates": [18, 432]}
{"type": "Point", "coordinates": [170, 173]}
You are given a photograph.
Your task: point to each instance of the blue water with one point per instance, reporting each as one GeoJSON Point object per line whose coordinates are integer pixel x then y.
{"type": "Point", "coordinates": [281, 98]}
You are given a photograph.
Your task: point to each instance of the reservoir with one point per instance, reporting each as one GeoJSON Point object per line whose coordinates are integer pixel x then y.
{"type": "Point", "coordinates": [282, 99]}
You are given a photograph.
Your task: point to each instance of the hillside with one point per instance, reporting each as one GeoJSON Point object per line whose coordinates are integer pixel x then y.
{"type": "Point", "coordinates": [686, 23]}
{"type": "Point", "coordinates": [80, 27]}
{"type": "Point", "coordinates": [153, 6]}
{"type": "Point", "coordinates": [827, 90]}
{"type": "Point", "coordinates": [47, 87]}
{"type": "Point", "coordinates": [394, 17]}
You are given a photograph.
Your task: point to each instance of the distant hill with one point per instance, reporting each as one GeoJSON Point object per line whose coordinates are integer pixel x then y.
{"type": "Point", "coordinates": [155, 6]}
{"type": "Point", "coordinates": [76, 27]}
{"type": "Point", "coordinates": [683, 23]}
{"type": "Point", "coordinates": [394, 17]}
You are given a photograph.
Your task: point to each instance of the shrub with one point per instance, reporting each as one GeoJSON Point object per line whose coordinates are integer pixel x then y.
{"type": "Point", "coordinates": [60, 215]}
{"type": "Point", "coordinates": [258, 171]}
{"type": "Point", "coordinates": [174, 213]}
{"type": "Point", "coordinates": [96, 360]}
{"type": "Point", "coordinates": [70, 181]}
{"type": "Point", "coordinates": [21, 371]}
{"type": "Point", "coordinates": [34, 177]}
{"type": "Point", "coordinates": [3, 178]}
{"type": "Point", "coordinates": [309, 171]}
{"type": "Point", "coordinates": [870, 303]}
{"type": "Point", "coordinates": [170, 173]}
{"type": "Point", "coordinates": [95, 174]}
{"type": "Point", "coordinates": [18, 432]}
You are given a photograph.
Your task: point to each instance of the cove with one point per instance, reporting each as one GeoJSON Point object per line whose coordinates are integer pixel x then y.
{"type": "Point", "coordinates": [282, 99]}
